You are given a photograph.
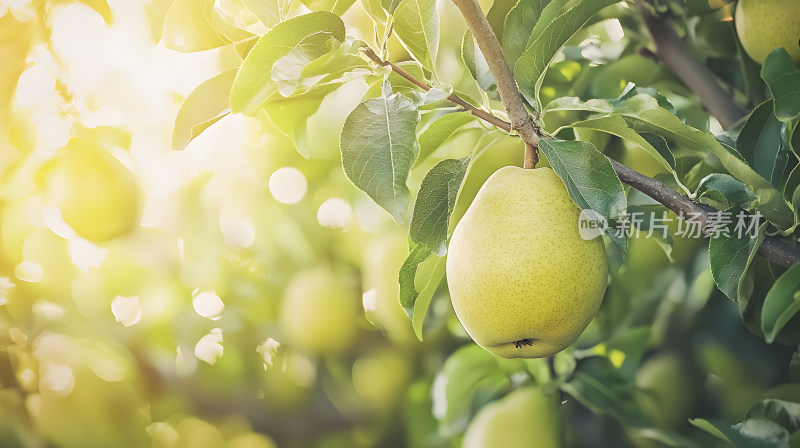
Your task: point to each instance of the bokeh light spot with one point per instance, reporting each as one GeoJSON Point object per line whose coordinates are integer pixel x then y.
{"type": "Point", "coordinates": [209, 347]}
{"type": "Point", "coordinates": [55, 377]}
{"type": "Point", "coordinates": [29, 271]}
{"type": "Point", "coordinates": [335, 214]}
{"type": "Point", "coordinates": [288, 185]}
{"type": "Point", "coordinates": [127, 310]}
{"type": "Point", "coordinates": [208, 304]}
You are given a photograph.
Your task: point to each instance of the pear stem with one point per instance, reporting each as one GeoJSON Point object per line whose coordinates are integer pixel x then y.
{"type": "Point", "coordinates": [551, 367]}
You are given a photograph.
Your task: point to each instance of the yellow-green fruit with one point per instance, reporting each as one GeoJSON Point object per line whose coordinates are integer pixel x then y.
{"type": "Point", "coordinates": [523, 419]}
{"type": "Point", "coordinates": [381, 378]}
{"type": "Point", "coordinates": [523, 282]}
{"type": "Point", "coordinates": [97, 195]}
{"type": "Point", "coordinates": [319, 312]}
{"type": "Point", "coordinates": [383, 258]}
{"type": "Point", "coordinates": [252, 440]}
{"type": "Point", "coordinates": [764, 25]}
{"type": "Point", "coordinates": [665, 393]}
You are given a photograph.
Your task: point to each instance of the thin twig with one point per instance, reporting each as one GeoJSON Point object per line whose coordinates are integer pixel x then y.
{"type": "Point", "coordinates": [521, 120]}
{"type": "Point", "coordinates": [453, 98]}
{"type": "Point", "coordinates": [676, 54]}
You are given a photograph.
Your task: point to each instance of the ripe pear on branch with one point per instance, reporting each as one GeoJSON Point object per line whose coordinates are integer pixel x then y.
{"type": "Point", "coordinates": [523, 282]}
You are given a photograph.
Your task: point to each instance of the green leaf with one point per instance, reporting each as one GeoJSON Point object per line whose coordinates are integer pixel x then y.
{"type": "Point", "coordinates": [338, 7]}
{"type": "Point", "coordinates": [287, 71]}
{"type": "Point", "coordinates": [419, 277]}
{"type": "Point", "coordinates": [193, 25]}
{"type": "Point", "coordinates": [717, 428]}
{"type": "Point", "coordinates": [792, 184]}
{"type": "Point", "coordinates": [762, 145]}
{"type": "Point", "coordinates": [590, 180]}
{"type": "Point", "coordinates": [519, 23]}
{"type": "Point", "coordinates": [435, 202]}
{"type": "Point", "coordinates": [724, 192]}
{"type": "Point", "coordinates": [730, 252]}
{"type": "Point", "coordinates": [378, 146]}
{"type": "Point", "coordinates": [615, 125]}
{"type": "Point", "coordinates": [477, 66]}
{"type": "Point", "coordinates": [440, 131]}
{"type": "Point", "coordinates": [267, 11]}
{"type": "Point", "coordinates": [794, 367]}
{"type": "Point", "coordinates": [375, 10]}
{"type": "Point", "coordinates": [761, 433]}
{"type": "Point", "coordinates": [408, 272]}
{"type": "Point", "coordinates": [783, 79]}
{"type": "Point", "coordinates": [781, 304]}
{"type": "Point", "coordinates": [570, 103]}
{"type": "Point", "coordinates": [207, 104]}
{"type": "Point", "coordinates": [532, 64]}
{"type": "Point", "coordinates": [784, 413]}
{"type": "Point", "coordinates": [254, 84]}
{"type": "Point", "coordinates": [644, 114]}
{"type": "Point", "coordinates": [469, 378]}
{"type": "Point", "coordinates": [390, 5]}
{"type": "Point", "coordinates": [416, 24]}
{"type": "Point", "coordinates": [340, 65]}
{"type": "Point", "coordinates": [599, 386]}
{"type": "Point", "coordinates": [291, 114]}
{"type": "Point", "coordinates": [662, 147]}
{"type": "Point", "coordinates": [651, 220]}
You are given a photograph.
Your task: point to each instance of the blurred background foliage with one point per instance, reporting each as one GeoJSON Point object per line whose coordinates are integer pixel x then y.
{"type": "Point", "coordinates": [237, 294]}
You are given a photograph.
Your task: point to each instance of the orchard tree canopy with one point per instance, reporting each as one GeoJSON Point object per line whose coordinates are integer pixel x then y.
{"type": "Point", "coordinates": [400, 223]}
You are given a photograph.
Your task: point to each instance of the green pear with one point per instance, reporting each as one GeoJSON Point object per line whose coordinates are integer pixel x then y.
{"type": "Point", "coordinates": [764, 25]}
{"type": "Point", "coordinates": [319, 312]}
{"type": "Point", "coordinates": [251, 440]}
{"type": "Point", "coordinates": [383, 258]}
{"type": "Point", "coordinates": [523, 282]}
{"type": "Point", "coordinates": [525, 418]}
{"type": "Point", "coordinates": [97, 195]}
{"type": "Point", "coordinates": [666, 391]}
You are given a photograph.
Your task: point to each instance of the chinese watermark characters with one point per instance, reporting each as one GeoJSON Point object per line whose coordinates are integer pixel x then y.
{"type": "Point", "coordinates": [720, 224]}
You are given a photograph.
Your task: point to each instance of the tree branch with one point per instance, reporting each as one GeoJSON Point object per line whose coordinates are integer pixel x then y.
{"type": "Point", "coordinates": [676, 54]}
{"type": "Point", "coordinates": [771, 248]}
{"type": "Point", "coordinates": [521, 120]}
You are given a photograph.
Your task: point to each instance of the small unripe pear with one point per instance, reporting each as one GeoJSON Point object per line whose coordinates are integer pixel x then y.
{"type": "Point", "coordinates": [665, 391]}
{"type": "Point", "coordinates": [319, 312]}
{"type": "Point", "coordinates": [523, 282]}
{"type": "Point", "coordinates": [522, 419]}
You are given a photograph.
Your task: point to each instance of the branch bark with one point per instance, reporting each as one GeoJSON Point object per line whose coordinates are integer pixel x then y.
{"type": "Point", "coordinates": [676, 54]}
{"type": "Point", "coordinates": [771, 248]}
{"type": "Point", "coordinates": [521, 120]}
